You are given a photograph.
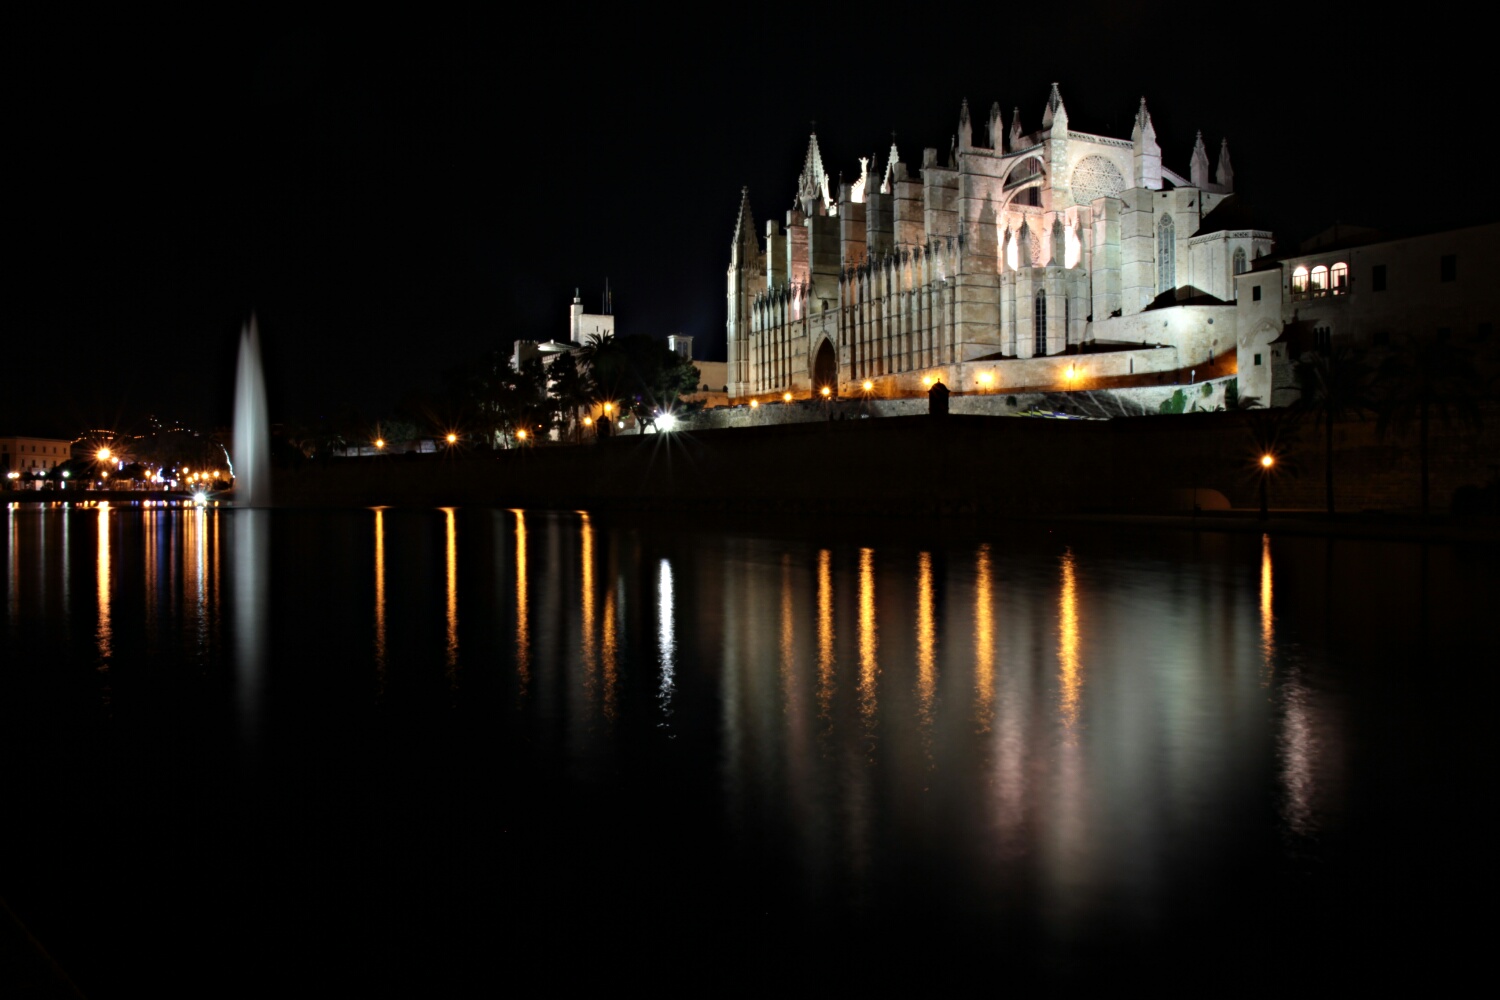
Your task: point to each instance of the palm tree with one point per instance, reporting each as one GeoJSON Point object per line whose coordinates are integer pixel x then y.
{"type": "Point", "coordinates": [1426, 375]}
{"type": "Point", "coordinates": [1335, 385]}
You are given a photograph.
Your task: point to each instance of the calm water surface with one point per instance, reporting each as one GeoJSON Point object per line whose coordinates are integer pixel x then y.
{"type": "Point", "coordinates": [426, 748]}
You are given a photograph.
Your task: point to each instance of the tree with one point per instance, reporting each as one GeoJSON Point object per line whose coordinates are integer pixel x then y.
{"type": "Point", "coordinates": [1335, 385]}
{"type": "Point", "coordinates": [1426, 376]}
{"type": "Point", "coordinates": [644, 375]}
{"type": "Point", "coordinates": [571, 386]}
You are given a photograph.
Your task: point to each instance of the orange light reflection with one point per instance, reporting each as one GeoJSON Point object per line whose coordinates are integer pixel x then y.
{"type": "Point", "coordinates": [825, 633]}
{"type": "Point", "coordinates": [452, 560]}
{"type": "Point", "coordinates": [1067, 629]}
{"type": "Point", "coordinates": [869, 642]}
{"type": "Point", "coordinates": [984, 642]}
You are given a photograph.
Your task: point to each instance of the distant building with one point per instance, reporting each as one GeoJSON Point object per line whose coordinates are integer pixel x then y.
{"type": "Point", "coordinates": [33, 454]}
{"type": "Point", "coordinates": [1352, 287]}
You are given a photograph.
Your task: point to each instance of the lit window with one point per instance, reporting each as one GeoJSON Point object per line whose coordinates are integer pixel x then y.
{"type": "Point", "coordinates": [1299, 283]}
{"type": "Point", "coordinates": [1338, 279]}
{"type": "Point", "coordinates": [1319, 281]}
{"type": "Point", "coordinates": [1166, 255]}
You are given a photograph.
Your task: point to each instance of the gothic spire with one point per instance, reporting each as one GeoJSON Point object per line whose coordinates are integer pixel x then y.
{"type": "Point", "coordinates": [1224, 175]}
{"type": "Point", "coordinates": [1143, 127]}
{"type": "Point", "coordinates": [1015, 130]}
{"type": "Point", "coordinates": [890, 167]}
{"type": "Point", "coordinates": [965, 127]}
{"type": "Point", "coordinates": [813, 182]}
{"type": "Point", "coordinates": [1199, 170]}
{"type": "Point", "coordinates": [744, 225]}
{"type": "Point", "coordinates": [997, 129]}
{"type": "Point", "coordinates": [1053, 108]}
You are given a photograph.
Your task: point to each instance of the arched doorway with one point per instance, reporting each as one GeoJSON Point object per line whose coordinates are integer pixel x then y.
{"type": "Point", "coordinates": [825, 369]}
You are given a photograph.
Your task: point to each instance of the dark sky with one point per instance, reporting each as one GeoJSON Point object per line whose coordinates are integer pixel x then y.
{"type": "Point", "coordinates": [392, 198]}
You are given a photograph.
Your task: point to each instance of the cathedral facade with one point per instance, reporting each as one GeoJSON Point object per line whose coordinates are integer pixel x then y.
{"type": "Point", "coordinates": [1023, 259]}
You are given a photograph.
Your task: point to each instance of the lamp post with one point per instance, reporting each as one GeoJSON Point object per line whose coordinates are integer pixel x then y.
{"type": "Point", "coordinates": [1266, 462]}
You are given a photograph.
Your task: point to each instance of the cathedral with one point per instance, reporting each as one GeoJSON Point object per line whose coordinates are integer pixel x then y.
{"type": "Point", "coordinates": [1022, 259]}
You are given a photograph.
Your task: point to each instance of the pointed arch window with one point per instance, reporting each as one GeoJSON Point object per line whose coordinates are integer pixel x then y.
{"type": "Point", "coordinates": [1241, 265]}
{"type": "Point", "coordinates": [1166, 255]}
{"type": "Point", "coordinates": [1039, 324]}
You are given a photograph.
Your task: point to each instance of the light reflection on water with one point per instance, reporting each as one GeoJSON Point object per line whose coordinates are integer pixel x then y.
{"type": "Point", "coordinates": [1061, 730]}
{"type": "Point", "coordinates": [104, 589]}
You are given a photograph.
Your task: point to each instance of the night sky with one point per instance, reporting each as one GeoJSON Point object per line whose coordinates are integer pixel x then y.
{"type": "Point", "coordinates": [393, 198]}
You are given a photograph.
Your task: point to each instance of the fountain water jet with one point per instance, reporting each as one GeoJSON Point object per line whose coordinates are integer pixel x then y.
{"type": "Point", "coordinates": [252, 428]}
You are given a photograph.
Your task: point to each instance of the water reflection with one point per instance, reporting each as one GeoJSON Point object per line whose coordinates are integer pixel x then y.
{"type": "Point", "coordinates": [380, 626]}
{"type": "Point", "coordinates": [869, 666]}
{"type": "Point", "coordinates": [13, 565]}
{"type": "Point", "coordinates": [252, 573]}
{"type": "Point", "coordinates": [451, 554]}
{"type": "Point", "coordinates": [523, 627]}
{"type": "Point", "coordinates": [1267, 618]}
{"type": "Point", "coordinates": [984, 641]}
{"type": "Point", "coordinates": [586, 599]}
{"type": "Point", "coordinates": [665, 641]}
{"type": "Point", "coordinates": [105, 629]}
{"type": "Point", "coordinates": [1063, 729]}
{"type": "Point", "coordinates": [1071, 676]}
{"type": "Point", "coordinates": [926, 647]}
{"type": "Point", "coordinates": [825, 634]}
{"type": "Point", "coordinates": [195, 547]}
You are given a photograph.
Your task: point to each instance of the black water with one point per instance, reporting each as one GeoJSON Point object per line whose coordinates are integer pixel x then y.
{"type": "Point", "coordinates": [435, 750]}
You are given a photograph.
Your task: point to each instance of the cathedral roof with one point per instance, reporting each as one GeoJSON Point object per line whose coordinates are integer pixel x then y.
{"type": "Point", "coordinates": [1231, 213]}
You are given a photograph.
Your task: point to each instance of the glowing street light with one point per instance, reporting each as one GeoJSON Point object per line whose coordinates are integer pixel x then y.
{"type": "Point", "coordinates": [986, 379]}
{"type": "Point", "coordinates": [1266, 461]}
{"type": "Point", "coordinates": [452, 438]}
{"type": "Point", "coordinates": [609, 408]}
{"type": "Point", "coordinates": [826, 392]}
{"type": "Point", "coordinates": [379, 443]}
{"type": "Point", "coordinates": [588, 421]}
{"type": "Point", "coordinates": [786, 397]}
{"type": "Point", "coordinates": [104, 454]}
{"type": "Point", "coordinates": [868, 386]}
{"type": "Point", "coordinates": [520, 435]}
{"type": "Point", "coordinates": [754, 404]}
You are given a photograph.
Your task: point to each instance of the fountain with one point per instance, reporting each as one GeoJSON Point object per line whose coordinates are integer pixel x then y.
{"type": "Point", "coordinates": [252, 448]}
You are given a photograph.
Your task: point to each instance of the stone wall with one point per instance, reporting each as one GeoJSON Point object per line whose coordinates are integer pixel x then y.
{"type": "Point", "coordinates": [1203, 396]}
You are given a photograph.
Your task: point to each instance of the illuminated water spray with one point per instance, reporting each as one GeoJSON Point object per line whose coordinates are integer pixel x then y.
{"type": "Point", "coordinates": [252, 447]}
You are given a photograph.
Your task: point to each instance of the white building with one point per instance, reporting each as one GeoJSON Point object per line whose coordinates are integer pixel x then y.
{"type": "Point", "coordinates": [1351, 287]}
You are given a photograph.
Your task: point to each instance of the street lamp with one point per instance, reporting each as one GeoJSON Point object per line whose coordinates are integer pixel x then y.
{"type": "Point", "coordinates": [452, 438]}
{"type": "Point", "coordinates": [786, 397]}
{"type": "Point", "coordinates": [1266, 462]}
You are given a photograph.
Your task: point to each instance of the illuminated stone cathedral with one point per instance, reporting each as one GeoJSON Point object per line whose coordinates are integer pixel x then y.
{"type": "Point", "coordinates": [1021, 258]}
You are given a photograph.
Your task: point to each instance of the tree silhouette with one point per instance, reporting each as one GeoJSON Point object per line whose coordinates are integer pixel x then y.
{"type": "Point", "coordinates": [1426, 376]}
{"type": "Point", "coordinates": [1335, 385]}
